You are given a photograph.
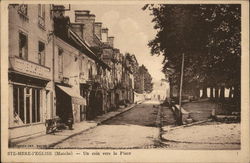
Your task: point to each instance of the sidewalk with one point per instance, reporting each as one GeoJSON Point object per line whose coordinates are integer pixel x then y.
{"type": "Point", "coordinates": [49, 140]}
{"type": "Point", "coordinates": [207, 135]}
{"type": "Point", "coordinates": [202, 133]}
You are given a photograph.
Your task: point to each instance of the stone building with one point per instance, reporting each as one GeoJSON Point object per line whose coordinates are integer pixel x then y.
{"type": "Point", "coordinates": [68, 69]}
{"type": "Point", "coordinates": [85, 70]}
{"type": "Point", "coordinates": [108, 58]}
{"type": "Point", "coordinates": [91, 32]}
{"type": "Point", "coordinates": [161, 90]}
{"type": "Point", "coordinates": [61, 70]}
{"type": "Point", "coordinates": [118, 60]}
{"type": "Point", "coordinates": [30, 69]}
{"type": "Point", "coordinates": [128, 79]}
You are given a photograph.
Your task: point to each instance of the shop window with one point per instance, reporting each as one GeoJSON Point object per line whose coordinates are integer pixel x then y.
{"type": "Point", "coordinates": [23, 46]}
{"type": "Point", "coordinates": [41, 16]}
{"type": "Point", "coordinates": [41, 53]}
{"type": "Point", "coordinates": [35, 105]}
{"type": "Point", "coordinates": [27, 109]}
{"type": "Point", "coordinates": [26, 103]}
{"type": "Point", "coordinates": [18, 97]}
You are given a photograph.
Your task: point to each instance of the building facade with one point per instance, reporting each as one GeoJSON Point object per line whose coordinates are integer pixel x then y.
{"type": "Point", "coordinates": [62, 71]}
{"type": "Point", "coordinates": [161, 90]}
{"type": "Point", "coordinates": [30, 73]}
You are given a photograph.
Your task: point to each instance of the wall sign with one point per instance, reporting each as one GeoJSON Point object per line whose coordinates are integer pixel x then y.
{"type": "Point", "coordinates": [28, 67]}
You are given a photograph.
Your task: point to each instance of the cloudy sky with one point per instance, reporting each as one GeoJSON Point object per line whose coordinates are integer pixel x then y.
{"type": "Point", "coordinates": [132, 29]}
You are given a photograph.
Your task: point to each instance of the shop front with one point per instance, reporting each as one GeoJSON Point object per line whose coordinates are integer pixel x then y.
{"type": "Point", "coordinates": [30, 99]}
{"type": "Point", "coordinates": [95, 107]}
{"type": "Point", "coordinates": [69, 105]}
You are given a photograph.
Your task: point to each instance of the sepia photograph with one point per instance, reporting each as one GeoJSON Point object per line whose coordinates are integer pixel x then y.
{"type": "Point", "coordinates": [82, 78]}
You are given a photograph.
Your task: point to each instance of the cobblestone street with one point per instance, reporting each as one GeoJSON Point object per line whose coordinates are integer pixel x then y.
{"type": "Point", "coordinates": [127, 81]}
{"type": "Point", "coordinates": [135, 128]}
{"type": "Point", "coordinates": [148, 125]}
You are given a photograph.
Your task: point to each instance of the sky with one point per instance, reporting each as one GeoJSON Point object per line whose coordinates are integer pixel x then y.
{"type": "Point", "coordinates": [132, 29]}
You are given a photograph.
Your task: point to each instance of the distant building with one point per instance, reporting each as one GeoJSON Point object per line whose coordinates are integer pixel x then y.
{"type": "Point", "coordinates": [160, 90]}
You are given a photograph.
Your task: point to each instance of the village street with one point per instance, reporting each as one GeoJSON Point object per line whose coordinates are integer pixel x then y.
{"type": "Point", "coordinates": [149, 125]}
{"type": "Point", "coordinates": [125, 76]}
{"type": "Point", "coordinates": [146, 125]}
{"type": "Point", "coordinates": [136, 128]}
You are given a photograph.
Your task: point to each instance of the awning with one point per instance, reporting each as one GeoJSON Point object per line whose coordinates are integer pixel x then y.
{"type": "Point", "coordinates": [76, 98]}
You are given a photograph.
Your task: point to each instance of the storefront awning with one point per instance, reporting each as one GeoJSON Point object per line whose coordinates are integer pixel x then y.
{"type": "Point", "coordinates": [76, 98]}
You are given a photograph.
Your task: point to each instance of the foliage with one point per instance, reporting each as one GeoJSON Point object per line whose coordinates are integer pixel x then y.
{"type": "Point", "coordinates": [143, 74]}
{"type": "Point", "coordinates": [208, 35]}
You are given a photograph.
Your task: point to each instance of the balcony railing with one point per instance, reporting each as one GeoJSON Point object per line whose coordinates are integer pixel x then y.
{"type": "Point", "coordinates": [30, 68]}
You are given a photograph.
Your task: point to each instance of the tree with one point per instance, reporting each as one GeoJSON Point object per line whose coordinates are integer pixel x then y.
{"type": "Point", "coordinates": [209, 35]}
{"type": "Point", "coordinates": [147, 79]}
{"type": "Point", "coordinates": [176, 24]}
{"type": "Point", "coordinates": [143, 80]}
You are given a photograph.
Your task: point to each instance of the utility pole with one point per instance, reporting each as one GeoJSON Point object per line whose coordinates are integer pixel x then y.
{"type": "Point", "coordinates": [181, 83]}
{"type": "Point", "coordinates": [143, 82]}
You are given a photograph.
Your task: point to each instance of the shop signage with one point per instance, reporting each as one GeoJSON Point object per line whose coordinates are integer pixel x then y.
{"type": "Point", "coordinates": [30, 68]}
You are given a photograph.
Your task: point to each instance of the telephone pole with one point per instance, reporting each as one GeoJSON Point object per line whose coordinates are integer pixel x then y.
{"type": "Point", "coordinates": [181, 83]}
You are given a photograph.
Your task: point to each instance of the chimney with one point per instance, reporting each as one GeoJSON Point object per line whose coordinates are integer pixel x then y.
{"type": "Point", "coordinates": [84, 17]}
{"type": "Point", "coordinates": [111, 41]}
{"type": "Point", "coordinates": [78, 28]}
{"type": "Point", "coordinates": [105, 35]}
{"type": "Point", "coordinates": [98, 30]}
{"type": "Point", "coordinates": [117, 50]}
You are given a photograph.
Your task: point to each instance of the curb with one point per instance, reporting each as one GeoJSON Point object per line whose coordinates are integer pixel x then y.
{"type": "Point", "coordinates": [188, 125]}
{"type": "Point", "coordinates": [159, 117]}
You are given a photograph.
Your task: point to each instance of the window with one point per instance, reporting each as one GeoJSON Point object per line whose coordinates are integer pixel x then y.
{"type": "Point", "coordinates": [81, 65]}
{"type": "Point", "coordinates": [23, 10]}
{"type": "Point", "coordinates": [26, 104]}
{"type": "Point", "coordinates": [23, 46]}
{"type": "Point", "coordinates": [90, 73]}
{"type": "Point", "coordinates": [41, 53]}
{"type": "Point", "coordinates": [41, 11]}
{"type": "Point", "coordinates": [60, 60]}
{"type": "Point", "coordinates": [41, 15]}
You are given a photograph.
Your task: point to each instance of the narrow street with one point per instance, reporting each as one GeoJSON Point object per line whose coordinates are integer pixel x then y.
{"type": "Point", "coordinates": [136, 128]}
{"type": "Point", "coordinates": [125, 77]}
